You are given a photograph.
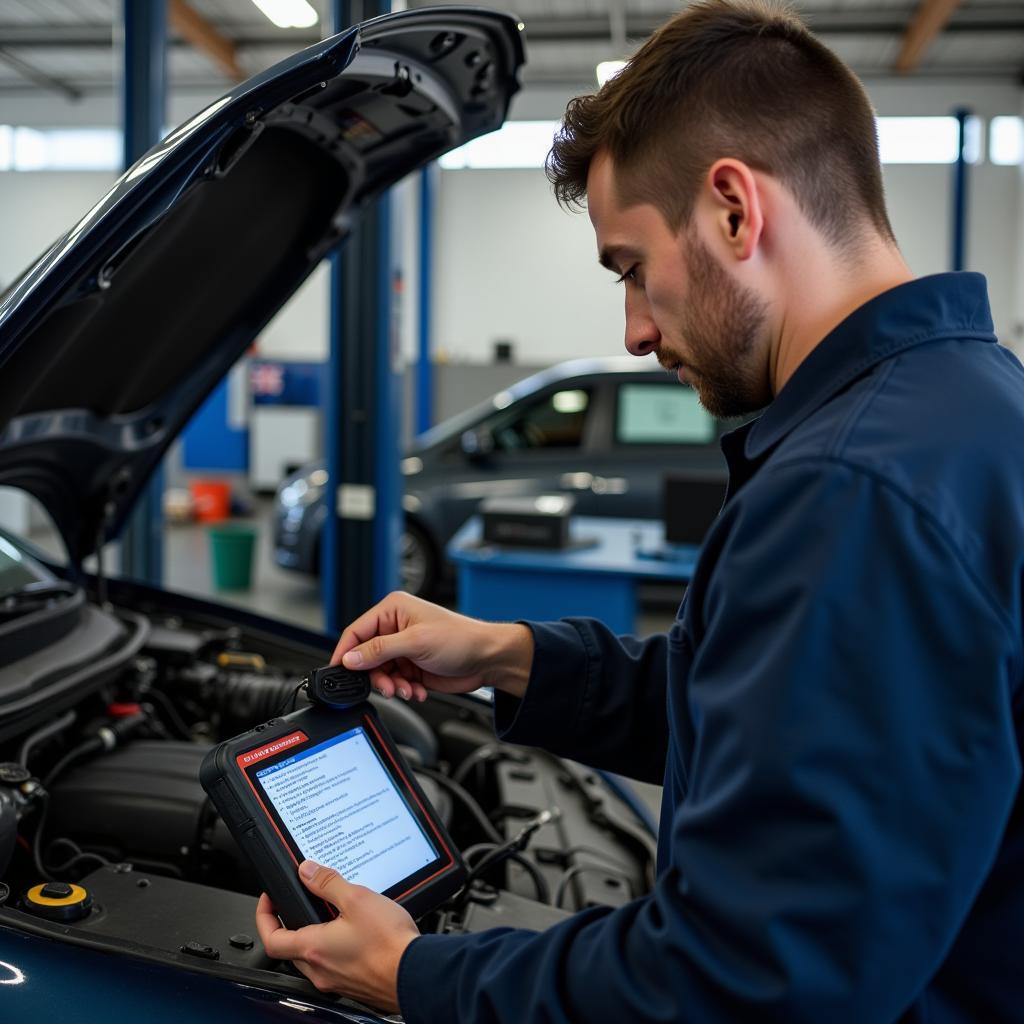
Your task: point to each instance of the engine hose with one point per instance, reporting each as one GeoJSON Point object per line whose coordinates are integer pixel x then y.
{"type": "Point", "coordinates": [48, 730]}
{"type": "Point", "coordinates": [247, 698]}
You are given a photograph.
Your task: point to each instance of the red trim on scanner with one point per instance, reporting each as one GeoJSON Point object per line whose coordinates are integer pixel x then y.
{"type": "Point", "coordinates": [249, 757]}
{"type": "Point", "coordinates": [430, 820]}
{"type": "Point", "coordinates": [333, 911]}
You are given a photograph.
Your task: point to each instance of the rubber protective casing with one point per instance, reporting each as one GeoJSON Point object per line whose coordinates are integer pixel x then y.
{"type": "Point", "coordinates": [259, 839]}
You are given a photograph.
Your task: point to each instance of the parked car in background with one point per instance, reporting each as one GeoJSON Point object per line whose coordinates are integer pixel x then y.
{"type": "Point", "coordinates": [605, 431]}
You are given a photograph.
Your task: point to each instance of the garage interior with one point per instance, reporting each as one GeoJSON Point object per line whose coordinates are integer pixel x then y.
{"type": "Point", "coordinates": [443, 405]}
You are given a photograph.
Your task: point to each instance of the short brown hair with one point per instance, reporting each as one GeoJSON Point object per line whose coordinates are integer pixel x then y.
{"type": "Point", "coordinates": [739, 78]}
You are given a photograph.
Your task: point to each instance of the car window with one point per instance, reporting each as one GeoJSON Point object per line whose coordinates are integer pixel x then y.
{"type": "Point", "coordinates": [16, 572]}
{"type": "Point", "coordinates": [661, 414]}
{"type": "Point", "coordinates": [555, 421]}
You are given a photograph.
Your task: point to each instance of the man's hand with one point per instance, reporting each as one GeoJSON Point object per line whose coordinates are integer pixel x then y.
{"type": "Point", "coordinates": [410, 646]}
{"type": "Point", "coordinates": [355, 955]}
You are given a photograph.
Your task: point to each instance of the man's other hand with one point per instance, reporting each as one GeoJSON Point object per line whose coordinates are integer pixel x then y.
{"type": "Point", "coordinates": [355, 955]}
{"type": "Point", "coordinates": [410, 646]}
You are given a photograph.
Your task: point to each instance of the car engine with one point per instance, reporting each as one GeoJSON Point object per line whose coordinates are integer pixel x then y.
{"type": "Point", "coordinates": [99, 788]}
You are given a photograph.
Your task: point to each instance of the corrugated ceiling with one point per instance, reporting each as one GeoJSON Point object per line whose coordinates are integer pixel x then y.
{"type": "Point", "coordinates": [72, 41]}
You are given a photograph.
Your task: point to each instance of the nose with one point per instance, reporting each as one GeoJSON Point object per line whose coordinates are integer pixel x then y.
{"type": "Point", "coordinates": [642, 334]}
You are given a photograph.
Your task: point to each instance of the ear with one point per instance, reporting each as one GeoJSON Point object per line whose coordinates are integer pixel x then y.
{"type": "Point", "coordinates": [736, 202]}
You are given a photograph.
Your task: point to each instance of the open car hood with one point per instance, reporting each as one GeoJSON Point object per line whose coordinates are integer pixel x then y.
{"type": "Point", "coordinates": [114, 337]}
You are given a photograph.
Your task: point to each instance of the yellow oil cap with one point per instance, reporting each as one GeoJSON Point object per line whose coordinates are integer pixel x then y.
{"type": "Point", "coordinates": [58, 901]}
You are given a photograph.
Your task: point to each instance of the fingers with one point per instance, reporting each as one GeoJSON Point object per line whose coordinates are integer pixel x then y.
{"type": "Point", "coordinates": [385, 647]}
{"type": "Point", "coordinates": [278, 941]}
{"type": "Point", "coordinates": [383, 617]}
{"type": "Point", "coordinates": [325, 883]}
{"type": "Point", "coordinates": [394, 683]}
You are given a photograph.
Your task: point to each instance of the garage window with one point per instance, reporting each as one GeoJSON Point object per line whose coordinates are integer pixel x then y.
{"type": "Point", "coordinates": [555, 421]}
{"type": "Point", "coordinates": [661, 414]}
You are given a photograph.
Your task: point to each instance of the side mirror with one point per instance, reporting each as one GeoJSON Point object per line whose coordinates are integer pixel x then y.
{"type": "Point", "coordinates": [477, 444]}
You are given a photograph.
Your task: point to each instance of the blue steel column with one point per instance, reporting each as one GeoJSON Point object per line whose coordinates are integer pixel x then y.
{"type": "Point", "coordinates": [143, 96]}
{"type": "Point", "coordinates": [959, 225]}
{"type": "Point", "coordinates": [424, 366]}
{"type": "Point", "coordinates": [362, 423]}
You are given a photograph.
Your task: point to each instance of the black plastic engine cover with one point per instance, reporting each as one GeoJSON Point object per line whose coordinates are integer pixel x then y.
{"type": "Point", "coordinates": [175, 916]}
{"type": "Point", "coordinates": [143, 803]}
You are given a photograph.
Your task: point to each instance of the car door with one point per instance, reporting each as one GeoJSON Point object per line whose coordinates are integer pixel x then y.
{"type": "Point", "coordinates": [646, 426]}
{"type": "Point", "coordinates": [530, 447]}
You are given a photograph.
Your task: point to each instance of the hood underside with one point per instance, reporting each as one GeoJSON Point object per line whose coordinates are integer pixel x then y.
{"type": "Point", "coordinates": [117, 334]}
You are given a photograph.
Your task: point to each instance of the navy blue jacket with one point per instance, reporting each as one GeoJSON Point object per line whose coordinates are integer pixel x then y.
{"type": "Point", "coordinates": [835, 715]}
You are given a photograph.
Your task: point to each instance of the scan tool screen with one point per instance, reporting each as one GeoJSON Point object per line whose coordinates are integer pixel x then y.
{"type": "Point", "coordinates": [342, 807]}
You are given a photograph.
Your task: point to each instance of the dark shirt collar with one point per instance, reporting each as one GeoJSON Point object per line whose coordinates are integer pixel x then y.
{"type": "Point", "coordinates": [927, 309]}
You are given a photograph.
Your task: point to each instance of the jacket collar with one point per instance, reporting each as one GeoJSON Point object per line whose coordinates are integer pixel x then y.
{"type": "Point", "coordinates": [926, 309]}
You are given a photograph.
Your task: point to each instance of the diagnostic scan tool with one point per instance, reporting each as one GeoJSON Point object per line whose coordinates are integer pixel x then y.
{"type": "Point", "coordinates": [328, 784]}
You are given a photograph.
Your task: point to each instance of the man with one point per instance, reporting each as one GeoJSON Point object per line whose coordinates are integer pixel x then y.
{"type": "Point", "coordinates": [835, 715]}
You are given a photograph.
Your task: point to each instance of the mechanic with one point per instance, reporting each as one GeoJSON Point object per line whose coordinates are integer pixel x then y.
{"type": "Point", "coordinates": [835, 715]}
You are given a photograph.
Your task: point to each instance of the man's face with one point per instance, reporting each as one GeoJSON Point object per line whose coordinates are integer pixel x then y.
{"type": "Point", "coordinates": [681, 303]}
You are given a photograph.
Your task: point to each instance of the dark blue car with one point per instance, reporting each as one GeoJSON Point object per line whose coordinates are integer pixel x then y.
{"type": "Point", "coordinates": [122, 895]}
{"type": "Point", "coordinates": [605, 431]}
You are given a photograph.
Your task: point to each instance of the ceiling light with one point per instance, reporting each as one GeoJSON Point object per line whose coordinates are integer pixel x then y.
{"type": "Point", "coordinates": [288, 13]}
{"type": "Point", "coordinates": [608, 69]}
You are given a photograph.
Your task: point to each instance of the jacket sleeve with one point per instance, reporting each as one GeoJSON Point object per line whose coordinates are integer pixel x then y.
{"type": "Point", "coordinates": [853, 773]}
{"type": "Point", "coordinates": [593, 697]}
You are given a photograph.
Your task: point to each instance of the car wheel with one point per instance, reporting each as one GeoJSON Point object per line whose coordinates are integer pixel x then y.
{"type": "Point", "coordinates": [418, 564]}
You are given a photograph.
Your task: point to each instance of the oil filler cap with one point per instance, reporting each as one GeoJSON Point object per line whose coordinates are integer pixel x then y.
{"type": "Point", "coordinates": [58, 901]}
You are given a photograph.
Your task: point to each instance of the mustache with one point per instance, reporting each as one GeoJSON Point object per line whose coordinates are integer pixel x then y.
{"type": "Point", "coordinates": [667, 362]}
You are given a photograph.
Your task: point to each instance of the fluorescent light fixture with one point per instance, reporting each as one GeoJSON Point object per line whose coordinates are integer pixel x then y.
{"type": "Point", "coordinates": [608, 69]}
{"type": "Point", "coordinates": [288, 13]}
{"type": "Point", "coordinates": [1005, 141]}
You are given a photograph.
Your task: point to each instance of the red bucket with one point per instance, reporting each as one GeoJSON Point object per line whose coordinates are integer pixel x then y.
{"type": "Point", "coordinates": [211, 500]}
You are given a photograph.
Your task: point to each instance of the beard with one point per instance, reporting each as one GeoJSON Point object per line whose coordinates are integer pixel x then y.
{"type": "Point", "coordinates": [724, 331]}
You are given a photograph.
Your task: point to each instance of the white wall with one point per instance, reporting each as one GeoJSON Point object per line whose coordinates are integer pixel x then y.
{"type": "Point", "coordinates": [36, 209]}
{"type": "Point", "coordinates": [509, 264]}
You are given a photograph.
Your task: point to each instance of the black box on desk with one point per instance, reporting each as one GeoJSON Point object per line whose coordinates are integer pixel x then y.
{"type": "Point", "coordinates": [690, 504]}
{"type": "Point", "coordinates": [541, 522]}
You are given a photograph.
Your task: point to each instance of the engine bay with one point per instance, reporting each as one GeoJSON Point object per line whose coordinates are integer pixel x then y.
{"type": "Point", "coordinates": [106, 834]}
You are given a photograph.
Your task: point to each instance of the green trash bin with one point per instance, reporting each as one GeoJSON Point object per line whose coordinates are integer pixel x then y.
{"type": "Point", "coordinates": [232, 548]}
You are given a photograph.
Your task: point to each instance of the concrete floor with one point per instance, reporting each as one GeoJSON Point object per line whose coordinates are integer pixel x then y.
{"type": "Point", "coordinates": [188, 568]}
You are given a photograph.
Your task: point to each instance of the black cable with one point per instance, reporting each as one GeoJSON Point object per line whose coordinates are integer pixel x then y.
{"type": "Point", "coordinates": [580, 869]}
{"type": "Point", "coordinates": [467, 801]}
{"type": "Point", "coordinates": [488, 752]}
{"type": "Point", "coordinates": [470, 853]}
{"type": "Point", "coordinates": [539, 882]}
{"type": "Point", "coordinates": [292, 699]}
{"type": "Point", "coordinates": [37, 839]}
{"type": "Point", "coordinates": [44, 733]}
{"type": "Point", "coordinates": [91, 746]}
{"type": "Point", "coordinates": [543, 892]}
{"type": "Point", "coordinates": [78, 856]}
{"type": "Point", "coordinates": [166, 705]}
{"type": "Point", "coordinates": [60, 869]}
{"type": "Point", "coordinates": [516, 844]}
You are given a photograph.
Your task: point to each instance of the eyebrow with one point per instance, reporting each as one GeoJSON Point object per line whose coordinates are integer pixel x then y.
{"type": "Point", "coordinates": [610, 256]}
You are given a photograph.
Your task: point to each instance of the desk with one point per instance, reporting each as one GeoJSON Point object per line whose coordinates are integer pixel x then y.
{"type": "Point", "coordinates": [598, 580]}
